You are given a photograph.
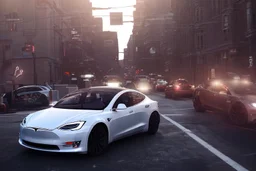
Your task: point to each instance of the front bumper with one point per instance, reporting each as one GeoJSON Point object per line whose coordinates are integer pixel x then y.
{"type": "Point", "coordinates": [183, 92]}
{"type": "Point", "coordinates": [53, 141]}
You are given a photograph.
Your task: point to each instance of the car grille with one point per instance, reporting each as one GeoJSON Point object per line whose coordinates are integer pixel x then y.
{"type": "Point", "coordinates": [40, 134]}
{"type": "Point", "coordinates": [41, 146]}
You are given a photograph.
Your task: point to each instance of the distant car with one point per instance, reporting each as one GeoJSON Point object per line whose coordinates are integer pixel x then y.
{"type": "Point", "coordinates": [178, 88]}
{"type": "Point", "coordinates": [161, 85]}
{"type": "Point", "coordinates": [88, 120]}
{"type": "Point", "coordinates": [113, 81]}
{"type": "Point", "coordinates": [27, 96]}
{"type": "Point", "coordinates": [236, 98]}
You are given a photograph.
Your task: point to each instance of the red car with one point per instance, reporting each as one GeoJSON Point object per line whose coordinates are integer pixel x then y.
{"type": "Point", "coordinates": [161, 85]}
{"type": "Point", "coordinates": [180, 87]}
{"type": "Point", "coordinates": [235, 98]}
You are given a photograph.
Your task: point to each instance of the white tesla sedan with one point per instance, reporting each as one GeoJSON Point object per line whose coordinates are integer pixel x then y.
{"type": "Point", "coordinates": [89, 119]}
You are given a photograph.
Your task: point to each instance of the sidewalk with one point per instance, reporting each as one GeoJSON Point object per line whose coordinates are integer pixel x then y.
{"type": "Point", "coordinates": [24, 109]}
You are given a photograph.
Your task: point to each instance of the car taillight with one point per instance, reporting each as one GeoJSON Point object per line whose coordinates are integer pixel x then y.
{"type": "Point", "coordinates": [177, 87]}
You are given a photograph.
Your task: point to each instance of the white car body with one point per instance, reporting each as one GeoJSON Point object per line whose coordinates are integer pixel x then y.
{"type": "Point", "coordinates": [41, 128]}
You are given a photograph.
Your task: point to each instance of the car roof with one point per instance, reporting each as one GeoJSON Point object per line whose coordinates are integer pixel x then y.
{"type": "Point", "coordinates": [100, 88]}
{"type": "Point", "coordinates": [29, 86]}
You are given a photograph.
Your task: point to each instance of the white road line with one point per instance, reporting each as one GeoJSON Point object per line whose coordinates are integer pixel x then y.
{"type": "Point", "coordinates": [183, 109]}
{"type": "Point", "coordinates": [216, 152]}
{"type": "Point", "coordinates": [173, 114]}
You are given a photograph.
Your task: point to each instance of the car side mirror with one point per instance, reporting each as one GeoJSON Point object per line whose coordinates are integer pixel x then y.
{"type": "Point", "coordinates": [120, 106]}
{"type": "Point", "coordinates": [223, 93]}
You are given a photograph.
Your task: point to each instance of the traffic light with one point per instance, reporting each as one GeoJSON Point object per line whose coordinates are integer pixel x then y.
{"type": "Point", "coordinates": [67, 73]}
{"type": "Point", "coordinates": [28, 48]}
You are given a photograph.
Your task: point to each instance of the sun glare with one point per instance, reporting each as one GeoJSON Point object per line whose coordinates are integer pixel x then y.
{"type": "Point", "coordinates": [124, 31]}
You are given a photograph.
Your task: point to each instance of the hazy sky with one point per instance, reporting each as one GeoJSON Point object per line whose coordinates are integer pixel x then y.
{"type": "Point", "coordinates": [124, 31]}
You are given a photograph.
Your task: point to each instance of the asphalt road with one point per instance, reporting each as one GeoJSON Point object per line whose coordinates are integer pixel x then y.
{"type": "Point", "coordinates": [186, 140]}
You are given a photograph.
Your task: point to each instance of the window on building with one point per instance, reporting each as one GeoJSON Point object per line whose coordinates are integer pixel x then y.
{"type": "Point", "coordinates": [249, 15]}
{"type": "Point", "coordinates": [225, 35]}
{"type": "Point", "coordinates": [225, 4]}
{"type": "Point", "coordinates": [201, 39]}
{"type": "Point", "coordinates": [213, 7]}
{"type": "Point", "coordinates": [225, 22]}
{"type": "Point", "coordinates": [198, 14]}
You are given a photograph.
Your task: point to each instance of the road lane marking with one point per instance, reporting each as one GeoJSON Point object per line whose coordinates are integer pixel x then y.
{"type": "Point", "coordinates": [173, 114]}
{"type": "Point", "coordinates": [183, 109]}
{"type": "Point", "coordinates": [216, 152]}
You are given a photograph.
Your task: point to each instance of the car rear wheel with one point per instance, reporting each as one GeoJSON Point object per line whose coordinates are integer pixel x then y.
{"type": "Point", "coordinates": [153, 124]}
{"type": "Point", "coordinates": [198, 105]}
{"type": "Point", "coordinates": [98, 140]}
{"type": "Point", "coordinates": [238, 115]}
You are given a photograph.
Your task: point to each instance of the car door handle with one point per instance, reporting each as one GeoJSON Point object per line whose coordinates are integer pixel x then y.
{"type": "Point", "coordinates": [131, 111]}
{"type": "Point", "coordinates": [147, 106]}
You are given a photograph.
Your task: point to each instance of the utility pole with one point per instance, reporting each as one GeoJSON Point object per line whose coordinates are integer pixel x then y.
{"type": "Point", "coordinates": [34, 68]}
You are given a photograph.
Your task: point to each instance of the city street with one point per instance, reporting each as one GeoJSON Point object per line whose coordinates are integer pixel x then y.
{"type": "Point", "coordinates": [186, 140]}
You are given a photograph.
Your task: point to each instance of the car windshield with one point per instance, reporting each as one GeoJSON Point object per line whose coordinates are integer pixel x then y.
{"type": "Point", "coordinates": [89, 100]}
{"type": "Point", "coordinates": [161, 82]}
{"type": "Point", "coordinates": [182, 82]}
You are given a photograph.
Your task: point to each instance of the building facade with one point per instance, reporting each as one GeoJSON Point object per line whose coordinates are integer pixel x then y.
{"type": "Point", "coordinates": [45, 24]}
{"type": "Point", "coordinates": [148, 35]}
{"type": "Point", "coordinates": [213, 38]}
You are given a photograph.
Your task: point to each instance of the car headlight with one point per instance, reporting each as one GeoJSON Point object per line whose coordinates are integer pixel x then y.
{"type": "Point", "coordinates": [24, 121]}
{"type": "Point", "coordinates": [72, 126]}
{"type": "Point", "coordinates": [254, 105]}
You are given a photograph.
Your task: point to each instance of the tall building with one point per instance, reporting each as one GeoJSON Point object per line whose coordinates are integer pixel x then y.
{"type": "Point", "coordinates": [214, 37]}
{"type": "Point", "coordinates": [35, 23]}
{"type": "Point", "coordinates": [148, 30]}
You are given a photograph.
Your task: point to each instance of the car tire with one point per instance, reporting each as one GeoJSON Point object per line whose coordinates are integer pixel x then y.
{"type": "Point", "coordinates": [153, 123]}
{"type": "Point", "coordinates": [98, 140]}
{"type": "Point", "coordinates": [198, 105]}
{"type": "Point", "coordinates": [174, 96]}
{"type": "Point", "coordinates": [238, 115]}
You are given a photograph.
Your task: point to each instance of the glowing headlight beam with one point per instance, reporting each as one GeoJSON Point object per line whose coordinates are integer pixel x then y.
{"type": "Point", "coordinates": [113, 84]}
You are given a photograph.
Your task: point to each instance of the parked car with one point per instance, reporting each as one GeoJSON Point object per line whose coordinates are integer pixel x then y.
{"type": "Point", "coordinates": [112, 81]}
{"type": "Point", "coordinates": [178, 88]}
{"type": "Point", "coordinates": [28, 96]}
{"type": "Point", "coordinates": [236, 98]}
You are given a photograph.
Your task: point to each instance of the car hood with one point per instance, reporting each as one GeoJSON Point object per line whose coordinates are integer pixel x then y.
{"type": "Point", "coordinates": [53, 117]}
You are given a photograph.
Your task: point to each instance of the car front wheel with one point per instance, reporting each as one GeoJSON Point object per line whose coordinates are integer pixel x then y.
{"type": "Point", "coordinates": [238, 115]}
{"type": "Point", "coordinates": [198, 105]}
{"type": "Point", "coordinates": [98, 140]}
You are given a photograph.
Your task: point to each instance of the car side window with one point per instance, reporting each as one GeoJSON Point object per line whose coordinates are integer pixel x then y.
{"type": "Point", "coordinates": [126, 99]}
{"type": "Point", "coordinates": [137, 98]}
{"type": "Point", "coordinates": [33, 89]}
{"type": "Point", "coordinates": [21, 90]}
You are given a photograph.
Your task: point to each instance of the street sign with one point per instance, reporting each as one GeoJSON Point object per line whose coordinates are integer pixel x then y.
{"type": "Point", "coordinates": [250, 61]}
{"type": "Point", "coordinates": [116, 18]}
